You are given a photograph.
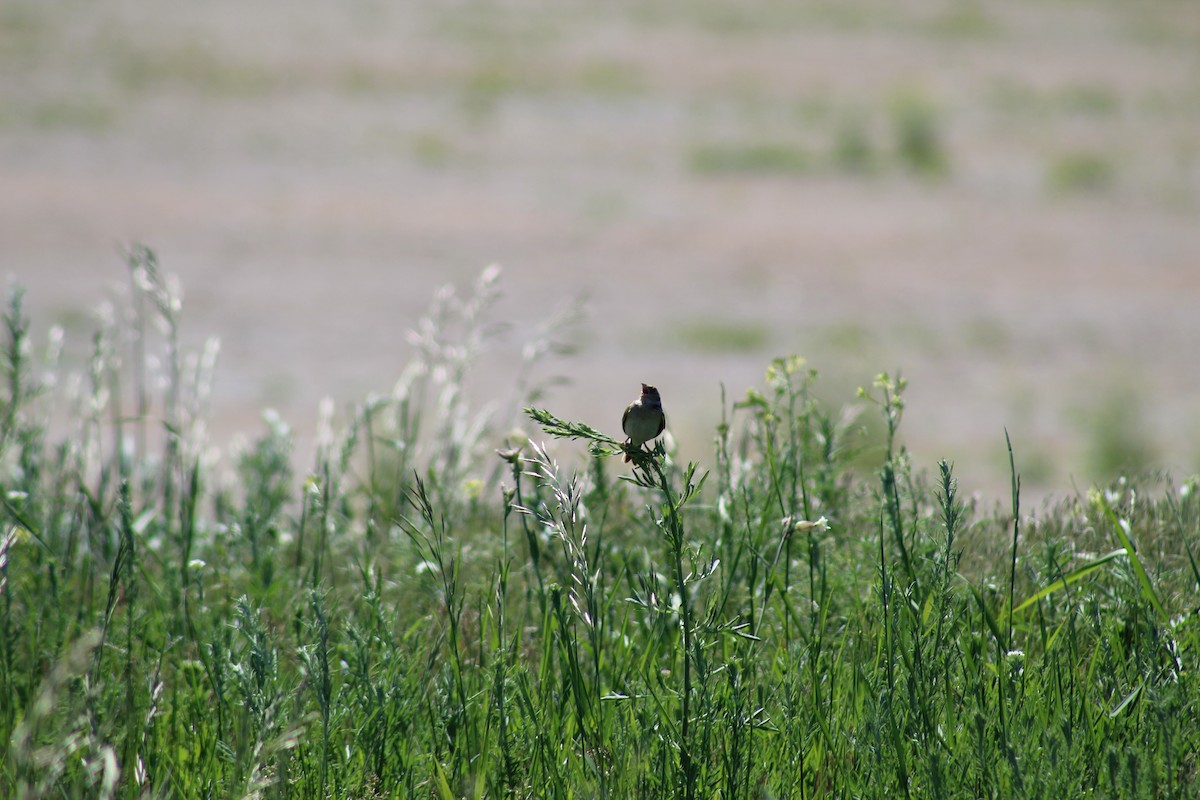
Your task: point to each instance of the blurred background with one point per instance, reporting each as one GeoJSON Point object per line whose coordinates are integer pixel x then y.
{"type": "Point", "coordinates": [999, 200]}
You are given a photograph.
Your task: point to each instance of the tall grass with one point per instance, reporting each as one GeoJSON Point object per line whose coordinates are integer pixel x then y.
{"type": "Point", "coordinates": [431, 610]}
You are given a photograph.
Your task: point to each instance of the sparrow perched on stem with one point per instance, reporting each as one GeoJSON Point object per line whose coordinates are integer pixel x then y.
{"type": "Point", "coordinates": [643, 420]}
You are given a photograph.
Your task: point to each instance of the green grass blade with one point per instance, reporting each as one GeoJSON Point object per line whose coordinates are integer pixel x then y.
{"type": "Point", "coordinates": [1119, 527]}
{"type": "Point", "coordinates": [1074, 576]}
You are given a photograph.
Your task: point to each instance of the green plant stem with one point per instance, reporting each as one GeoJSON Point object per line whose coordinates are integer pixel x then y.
{"type": "Point", "coordinates": [675, 541]}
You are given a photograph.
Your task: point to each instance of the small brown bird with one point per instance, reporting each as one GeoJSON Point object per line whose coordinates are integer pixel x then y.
{"type": "Point", "coordinates": [643, 419]}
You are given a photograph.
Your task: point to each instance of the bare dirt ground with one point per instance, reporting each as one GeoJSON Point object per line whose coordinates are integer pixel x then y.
{"type": "Point", "coordinates": [1001, 200]}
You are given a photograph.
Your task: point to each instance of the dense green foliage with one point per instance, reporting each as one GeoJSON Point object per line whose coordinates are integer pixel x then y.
{"type": "Point", "coordinates": [424, 615]}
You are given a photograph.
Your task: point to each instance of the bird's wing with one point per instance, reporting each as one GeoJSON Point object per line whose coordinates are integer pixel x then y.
{"type": "Point", "coordinates": [625, 417]}
{"type": "Point", "coordinates": [662, 425]}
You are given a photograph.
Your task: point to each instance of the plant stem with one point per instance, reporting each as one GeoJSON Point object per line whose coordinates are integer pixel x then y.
{"type": "Point", "coordinates": [674, 530]}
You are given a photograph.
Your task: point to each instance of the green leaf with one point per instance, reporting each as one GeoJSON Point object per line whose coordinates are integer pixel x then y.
{"type": "Point", "coordinates": [443, 787]}
{"type": "Point", "coordinates": [1129, 699]}
{"type": "Point", "coordinates": [1118, 526]}
{"type": "Point", "coordinates": [1074, 576]}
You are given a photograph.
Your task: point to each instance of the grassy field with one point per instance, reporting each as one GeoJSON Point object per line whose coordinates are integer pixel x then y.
{"type": "Point", "coordinates": [997, 196]}
{"type": "Point", "coordinates": [434, 610]}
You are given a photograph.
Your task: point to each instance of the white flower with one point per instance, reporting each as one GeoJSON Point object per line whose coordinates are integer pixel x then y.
{"type": "Point", "coordinates": [793, 525]}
